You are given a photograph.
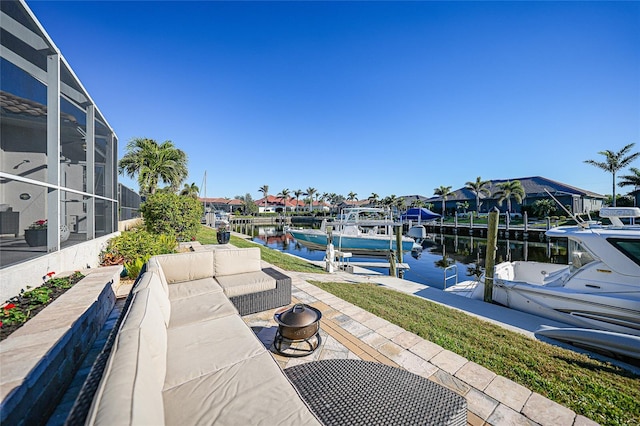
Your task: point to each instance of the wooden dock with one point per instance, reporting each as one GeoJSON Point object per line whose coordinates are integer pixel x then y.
{"type": "Point", "coordinates": [387, 265]}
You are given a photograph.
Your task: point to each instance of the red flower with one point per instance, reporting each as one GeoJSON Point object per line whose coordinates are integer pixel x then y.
{"type": "Point", "coordinates": [50, 274]}
{"type": "Point", "coordinates": [0, 323]}
{"type": "Point", "coordinates": [9, 306]}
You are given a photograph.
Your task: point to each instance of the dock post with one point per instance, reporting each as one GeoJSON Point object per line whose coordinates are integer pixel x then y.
{"type": "Point", "coordinates": [490, 262]}
{"type": "Point", "coordinates": [392, 263]}
{"type": "Point", "coordinates": [399, 248]}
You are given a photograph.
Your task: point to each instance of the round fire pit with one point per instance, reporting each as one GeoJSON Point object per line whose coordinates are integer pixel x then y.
{"type": "Point", "coordinates": [298, 329]}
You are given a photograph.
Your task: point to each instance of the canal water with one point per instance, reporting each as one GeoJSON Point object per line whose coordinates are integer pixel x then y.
{"type": "Point", "coordinates": [462, 256]}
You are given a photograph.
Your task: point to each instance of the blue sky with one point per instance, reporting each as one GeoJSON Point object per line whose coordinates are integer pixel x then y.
{"type": "Point", "coordinates": [385, 97]}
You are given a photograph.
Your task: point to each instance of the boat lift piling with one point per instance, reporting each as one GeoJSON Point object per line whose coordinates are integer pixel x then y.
{"type": "Point", "coordinates": [490, 262]}
{"type": "Point", "coordinates": [399, 250]}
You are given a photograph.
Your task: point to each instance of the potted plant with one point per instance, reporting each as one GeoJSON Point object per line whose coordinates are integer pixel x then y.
{"type": "Point", "coordinates": [223, 233]}
{"type": "Point", "coordinates": [36, 234]}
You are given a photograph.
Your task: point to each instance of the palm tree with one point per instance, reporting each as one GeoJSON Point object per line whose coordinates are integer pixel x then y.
{"type": "Point", "coordinates": [544, 208]}
{"type": "Point", "coordinates": [478, 187]}
{"type": "Point", "coordinates": [265, 190]}
{"type": "Point", "coordinates": [389, 200]}
{"type": "Point", "coordinates": [507, 190]}
{"type": "Point", "coordinates": [631, 180]}
{"type": "Point", "coordinates": [284, 194]}
{"type": "Point", "coordinates": [418, 203]}
{"type": "Point", "coordinates": [298, 193]}
{"type": "Point", "coordinates": [373, 199]}
{"type": "Point", "coordinates": [352, 196]}
{"type": "Point", "coordinates": [190, 190]}
{"type": "Point", "coordinates": [153, 162]}
{"type": "Point", "coordinates": [310, 193]}
{"type": "Point", "coordinates": [615, 161]}
{"type": "Point", "coordinates": [443, 192]}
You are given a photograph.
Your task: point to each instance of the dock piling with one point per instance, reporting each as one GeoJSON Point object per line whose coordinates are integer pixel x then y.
{"type": "Point", "coordinates": [490, 262]}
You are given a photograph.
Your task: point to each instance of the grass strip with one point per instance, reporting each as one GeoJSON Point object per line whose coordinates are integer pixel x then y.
{"type": "Point", "coordinates": [598, 390]}
{"type": "Point", "coordinates": [206, 235]}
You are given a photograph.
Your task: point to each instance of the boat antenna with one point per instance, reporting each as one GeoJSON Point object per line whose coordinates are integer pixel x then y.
{"type": "Point", "coordinates": [581, 223]}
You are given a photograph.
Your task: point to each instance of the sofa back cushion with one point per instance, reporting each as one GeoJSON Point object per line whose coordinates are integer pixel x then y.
{"type": "Point", "coordinates": [189, 266]}
{"type": "Point", "coordinates": [237, 261]}
{"type": "Point", "coordinates": [146, 316]}
{"type": "Point", "coordinates": [151, 280]}
{"type": "Point", "coordinates": [130, 392]}
{"type": "Point", "coordinates": [153, 265]}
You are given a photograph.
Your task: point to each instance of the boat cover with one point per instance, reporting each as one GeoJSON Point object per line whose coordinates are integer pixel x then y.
{"type": "Point", "coordinates": [419, 214]}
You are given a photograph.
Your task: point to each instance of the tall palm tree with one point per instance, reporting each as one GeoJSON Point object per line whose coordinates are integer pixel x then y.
{"type": "Point", "coordinates": [265, 190]}
{"type": "Point", "coordinates": [298, 193]}
{"type": "Point", "coordinates": [443, 192]}
{"type": "Point", "coordinates": [507, 190]}
{"type": "Point", "coordinates": [310, 193]}
{"type": "Point", "coordinates": [190, 190]}
{"type": "Point", "coordinates": [615, 161]}
{"type": "Point", "coordinates": [152, 163]}
{"type": "Point", "coordinates": [373, 199]}
{"type": "Point", "coordinates": [284, 194]}
{"type": "Point", "coordinates": [478, 187]}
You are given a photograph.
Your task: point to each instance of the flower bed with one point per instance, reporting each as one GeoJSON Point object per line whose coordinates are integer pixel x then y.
{"type": "Point", "coordinates": [27, 304]}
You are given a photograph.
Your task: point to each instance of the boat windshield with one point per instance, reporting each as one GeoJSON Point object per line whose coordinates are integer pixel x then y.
{"type": "Point", "coordinates": [578, 255]}
{"type": "Point", "coordinates": [630, 247]}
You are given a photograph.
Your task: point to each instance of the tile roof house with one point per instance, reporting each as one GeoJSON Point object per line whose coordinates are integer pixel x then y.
{"type": "Point", "coordinates": [575, 199]}
{"type": "Point", "coordinates": [224, 204]}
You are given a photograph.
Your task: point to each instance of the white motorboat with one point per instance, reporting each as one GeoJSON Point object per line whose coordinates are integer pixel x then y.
{"type": "Point", "coordinates": [358, 229]}
{"type": "Point", "coordinates": [598, 289]}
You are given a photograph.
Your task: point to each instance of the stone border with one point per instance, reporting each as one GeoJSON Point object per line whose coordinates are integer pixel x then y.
{"type": "Point", "coordinates": [40, 358]}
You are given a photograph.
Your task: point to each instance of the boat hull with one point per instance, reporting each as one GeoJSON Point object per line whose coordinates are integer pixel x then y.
{"type": "Point", "coordinates": [620, 344]}
{"type": "Point", "coordinates": [319, 239]}
{"type": "Point", "coordinates": [619, 312]}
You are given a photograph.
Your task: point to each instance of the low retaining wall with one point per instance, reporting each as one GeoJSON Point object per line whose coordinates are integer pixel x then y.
{"type": "Point", "coordinates": [40, 359]}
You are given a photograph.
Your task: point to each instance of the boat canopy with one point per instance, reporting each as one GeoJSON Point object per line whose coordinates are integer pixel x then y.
{"type": "Point", "coordinates": [419, 214]}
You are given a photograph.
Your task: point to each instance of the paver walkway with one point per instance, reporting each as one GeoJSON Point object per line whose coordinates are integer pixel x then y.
{"type": "Point", "coordinates": [350, 332]}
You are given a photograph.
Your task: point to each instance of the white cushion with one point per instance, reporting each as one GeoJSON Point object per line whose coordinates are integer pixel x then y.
{"type": "Point", "coordinates": [129, 393]}
{"type": "Point", "coordinates": [188, 310]}
{"type": "Point", "coordinates": [207, 346]}
{"type": "Point", "coordinates": [252, 392]}
{"type": "Point", "coordinates": [236, 261]}
{"type": "Point", "coordinates": [189, 266]}
{"type": "Point", "coordinates": [247, 283]}
{"type": "Point", "coordinates": [151, 281]}
{"type": "Point", "coordinates": [193, 288]}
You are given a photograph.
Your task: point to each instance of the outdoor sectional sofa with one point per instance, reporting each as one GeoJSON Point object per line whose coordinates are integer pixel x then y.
{"type": "Point", "coordinates": [184, 356]}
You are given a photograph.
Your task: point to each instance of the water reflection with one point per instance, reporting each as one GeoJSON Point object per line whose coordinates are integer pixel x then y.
{"type": "Point", "coordinates": [438, 252]}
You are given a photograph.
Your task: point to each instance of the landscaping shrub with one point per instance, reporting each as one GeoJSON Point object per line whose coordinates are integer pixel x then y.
{"type": "Point", "coordinates": [135, 246]}
{"type": "Point", "coordinates": [134, 267]}
{"type": "Point", "coordinates": [167, 213]}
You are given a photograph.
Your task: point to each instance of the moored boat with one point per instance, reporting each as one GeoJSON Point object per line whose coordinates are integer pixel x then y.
{"type": "Point", "coordinates": [357, 230]}
{"type": "Point", "coordinates": [598, 289]}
